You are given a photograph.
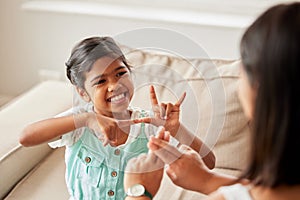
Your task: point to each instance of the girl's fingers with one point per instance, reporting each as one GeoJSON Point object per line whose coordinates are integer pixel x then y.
{"type": "Point", "coordinates": [181, 99]}
{"type": "Point", "coordinates": [169, 109]}
{"type": "Point", "coordinates": [153, 98]}
{"type": "Point", "coordinates": [162, 109]}
{"type": "Point", "coordinates": [150, 120]}
{"type": "Point", "coordinates": [125, 123]}
{"type": "Point", "coordinates": [105, 141]}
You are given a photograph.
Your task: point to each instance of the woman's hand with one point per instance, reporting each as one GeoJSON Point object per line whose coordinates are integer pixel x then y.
{"type": "Point", "coordinates": [186, 168]}
{"type": "Point", "coordinates": [165, 114]}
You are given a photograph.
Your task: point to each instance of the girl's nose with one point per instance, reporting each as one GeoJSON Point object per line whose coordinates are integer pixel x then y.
{"type": "Point", "coordinates": [110, 89]}
{"type": "Point", "coordinates": [113, 87]}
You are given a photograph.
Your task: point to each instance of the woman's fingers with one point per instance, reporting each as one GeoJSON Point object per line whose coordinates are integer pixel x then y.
{"type": "Point", "coordinates": [163, 134]}
{"type": "Point", "coordinates": [162, 149]}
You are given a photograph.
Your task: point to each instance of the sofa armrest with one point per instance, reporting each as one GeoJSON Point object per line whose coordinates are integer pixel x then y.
{"type": "Point", "coordinates": [42, 101]}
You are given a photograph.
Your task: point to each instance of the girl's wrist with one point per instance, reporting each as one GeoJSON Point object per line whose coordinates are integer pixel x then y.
{"type": "Point", "coordinates": [82, 119]}
{"type": "Point", "coordinates": [175, 130]}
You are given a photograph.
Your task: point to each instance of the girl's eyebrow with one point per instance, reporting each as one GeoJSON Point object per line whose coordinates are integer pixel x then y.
{"type": "Point", "coordinates": [101, 75]}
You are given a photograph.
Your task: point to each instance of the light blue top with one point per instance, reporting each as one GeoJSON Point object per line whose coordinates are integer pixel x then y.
{"type": "Point", "coordinates": [97, 172]}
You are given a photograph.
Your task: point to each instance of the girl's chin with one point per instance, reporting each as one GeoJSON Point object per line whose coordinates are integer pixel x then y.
{"type": "Point", "coordinates": [119, 108]}
{"type": "Point", "coordinates": [113, 112]}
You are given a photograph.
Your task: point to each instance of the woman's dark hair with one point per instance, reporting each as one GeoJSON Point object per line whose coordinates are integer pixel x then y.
{"type": "Point", "coordinates": [270, 52]}
{"type": "Point", "coordinates": [86, 52]}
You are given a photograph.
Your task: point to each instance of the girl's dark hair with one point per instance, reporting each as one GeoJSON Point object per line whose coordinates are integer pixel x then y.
{"type": "Point", "coordinates": [270, 52]}
{"type": "Point", "coordinates": [86, 52]}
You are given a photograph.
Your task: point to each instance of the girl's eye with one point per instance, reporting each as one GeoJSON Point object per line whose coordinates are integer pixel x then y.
{"type": "Point", "coordinates": [101, 81]}
{"type": "Point", "coordinates": [121, 74]}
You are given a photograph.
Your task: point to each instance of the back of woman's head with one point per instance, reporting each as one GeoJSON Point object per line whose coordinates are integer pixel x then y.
{"type": "Point", "coordinates": [270, 51]}
{"type": "Point", "coordinates": [86, 52]}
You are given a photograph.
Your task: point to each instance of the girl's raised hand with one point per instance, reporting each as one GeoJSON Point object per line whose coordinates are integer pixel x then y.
{"type": "Point", "coordinates": [165, 114]}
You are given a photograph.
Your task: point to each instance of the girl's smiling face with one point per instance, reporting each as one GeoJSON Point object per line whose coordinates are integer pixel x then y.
{"type": "Point", "coordinates": [109, 86]}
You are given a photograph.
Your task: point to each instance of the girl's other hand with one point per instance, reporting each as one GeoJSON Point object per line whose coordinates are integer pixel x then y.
{"type": "Point", "coordinates": [109, 130]}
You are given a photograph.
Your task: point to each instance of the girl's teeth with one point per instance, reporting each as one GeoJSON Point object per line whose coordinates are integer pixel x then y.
{"type": "Point", "coordinates": [116, 98]}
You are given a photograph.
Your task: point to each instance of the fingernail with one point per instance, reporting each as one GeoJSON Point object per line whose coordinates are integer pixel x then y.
{"type": "Point", "coordinates": [173, 175]}
{"type": "Point", "coordinates": [160, 128]}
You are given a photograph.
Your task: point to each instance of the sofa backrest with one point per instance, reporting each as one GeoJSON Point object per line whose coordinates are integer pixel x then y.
{"type": "Point", "coordinates": [211, 109]}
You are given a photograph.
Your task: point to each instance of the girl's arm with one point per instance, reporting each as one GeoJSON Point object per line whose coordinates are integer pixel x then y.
{"type": "Point", "coordinates": [50, 129]}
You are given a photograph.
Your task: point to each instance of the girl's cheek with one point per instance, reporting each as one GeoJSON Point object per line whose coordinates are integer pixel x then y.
{"type": "Point", "coordinates": [98, 93]}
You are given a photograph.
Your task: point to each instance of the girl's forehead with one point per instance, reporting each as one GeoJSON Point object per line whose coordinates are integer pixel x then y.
{"type": "Point", "coordinates": [105, 64]}
{"type": "Point", "coordinates": [103, 67]}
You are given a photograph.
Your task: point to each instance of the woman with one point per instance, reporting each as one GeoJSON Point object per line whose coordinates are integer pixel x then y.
{"type": "Point", "coordinates": [270, 54]}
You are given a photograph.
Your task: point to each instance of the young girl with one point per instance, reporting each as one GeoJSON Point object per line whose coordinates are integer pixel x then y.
{"type": "Point", "coordinates": [100, 137]}
{"type": "Point", "coordinates": [269, 93]}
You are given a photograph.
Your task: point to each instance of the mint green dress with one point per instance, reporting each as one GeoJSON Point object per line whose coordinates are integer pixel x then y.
{"type": "Point", "coordinates": [97, 172]}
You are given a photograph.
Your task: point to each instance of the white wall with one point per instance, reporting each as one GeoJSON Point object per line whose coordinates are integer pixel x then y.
{"type": "Point", "coordinates": [32, 40]}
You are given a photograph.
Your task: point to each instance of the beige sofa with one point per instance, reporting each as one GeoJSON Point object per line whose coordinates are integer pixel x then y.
{"type": "Point", "coordinates": [211, 109]}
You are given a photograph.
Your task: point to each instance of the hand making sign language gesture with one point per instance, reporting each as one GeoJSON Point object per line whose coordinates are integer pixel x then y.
{"type": "Point", "coordinates": [165, 114]}
{"type": "Point", "coordinates": [112, 130]}
{"type": "Point", "coordinates": [109, 130]}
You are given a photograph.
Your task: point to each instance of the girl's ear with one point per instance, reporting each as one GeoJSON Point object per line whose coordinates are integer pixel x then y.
{"type": "Point", "coordinates": [84, 95]}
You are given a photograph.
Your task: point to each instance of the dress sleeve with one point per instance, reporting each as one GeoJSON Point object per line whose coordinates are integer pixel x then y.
{"type": "Point", "coordinates": [72, 137]}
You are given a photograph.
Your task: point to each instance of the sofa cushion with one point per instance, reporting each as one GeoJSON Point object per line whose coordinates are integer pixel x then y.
{"type": "Point", "coordinates": [43, 101]}
{"type": "Point", "coordinates": [45, 181]}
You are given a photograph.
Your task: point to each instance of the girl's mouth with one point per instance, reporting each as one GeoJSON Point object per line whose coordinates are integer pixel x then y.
{"type": "Point", "coordinates": [118, 98]}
